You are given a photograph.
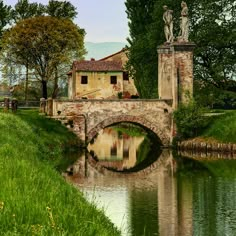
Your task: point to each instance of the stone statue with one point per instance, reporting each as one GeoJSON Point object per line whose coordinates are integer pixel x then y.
{"type": "Point", "coordinates": [184, 23]}
{"type": "Point", "coordinates": [168, 28]}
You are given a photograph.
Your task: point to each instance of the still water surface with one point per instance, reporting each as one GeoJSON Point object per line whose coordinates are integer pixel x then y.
{"type": "Point", "coordinates": [169, 196]}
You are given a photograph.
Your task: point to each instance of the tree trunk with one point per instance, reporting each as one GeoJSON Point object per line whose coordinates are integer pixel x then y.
{"type": "Point", "coordinates": [44, 89]}
{"type": "Point", "coordinates": [55, 88]}
{"type": "Point", "coordinates": [26, 84]}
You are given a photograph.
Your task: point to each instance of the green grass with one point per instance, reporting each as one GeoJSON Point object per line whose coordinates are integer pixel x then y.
{"type": "Point", "coordinates": [130, 129]}
{"type": "Point", "coordinates": [222, 128]}
{"type": "Point", "coordinates": [34, 197]}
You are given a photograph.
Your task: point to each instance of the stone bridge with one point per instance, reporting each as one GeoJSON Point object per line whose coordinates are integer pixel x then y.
{"type": "Point", "coordinates": [87, 117]}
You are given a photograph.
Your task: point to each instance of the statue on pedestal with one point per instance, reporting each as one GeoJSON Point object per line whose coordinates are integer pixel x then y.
{"type": "Point", "coordinates": [168, 28]}
{"type": "Point", "coordinates": [184, 23]}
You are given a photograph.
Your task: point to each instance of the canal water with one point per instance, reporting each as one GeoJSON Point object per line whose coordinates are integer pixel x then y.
{"type": "Point", "coordinates": [148, 191]}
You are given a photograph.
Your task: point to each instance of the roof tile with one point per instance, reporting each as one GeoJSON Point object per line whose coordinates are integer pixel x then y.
{"type": "Point", "coordinates": [97, 66]}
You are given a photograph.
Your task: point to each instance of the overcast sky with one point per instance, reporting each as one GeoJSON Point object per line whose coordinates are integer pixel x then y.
{"type": "Point", "coordinates": [103, 20]}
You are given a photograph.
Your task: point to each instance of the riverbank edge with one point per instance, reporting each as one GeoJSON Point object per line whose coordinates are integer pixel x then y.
{"type": "Point", "coordinates": [203, 145]}
{"type": "Point", "coordinates": [7, 201]}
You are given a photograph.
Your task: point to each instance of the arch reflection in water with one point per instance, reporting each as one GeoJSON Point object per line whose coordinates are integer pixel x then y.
{"type": "Point", "coordinates": [173, 196]}
{"type": "Point", "coordinates": [123, 147]}
{"type": "Point", "coordinates": [140, 203]}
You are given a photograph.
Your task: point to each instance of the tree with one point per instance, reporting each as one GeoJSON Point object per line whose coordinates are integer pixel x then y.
{"type": "Point", "coordinates": [213, 30]}
{"type": "Point", "coordinates": [23, 10]}
{"type": "Point", "coordinates": [190, 119]}
{"type": "Point", "coordinates": [44, 43]}
{"type": "Point", "coordinates": [64, 10]}
{"type": "Point", "coordinates": [146, 28]}
{"type": "Point", "coordinates": [141, 55]}
{"type": "Point", "coordinates": [61, 9]}
{"type": "Point", "coordinates": [4, 16]}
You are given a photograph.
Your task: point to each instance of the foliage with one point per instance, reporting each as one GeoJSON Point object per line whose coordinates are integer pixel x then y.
{"type": "Point", "coordinates": [141, 54]}
{"type": "Point", "coordinates": [212, 28]}
{"type": "Point", "coordinates": [222, 128]}
{"type": "Point", "coordinates": [43, 43]}
{"type": "Point", "coordinates": [190, 119]}
{"type": "Point", "coordinates": [34, 197]}
{"type": "Point", "coordinates": [210, 96]}
{"type": "Point", "coordinates": [61, 9]}
{"type": "Point", "coordinates": [23, 10]}
{"type": "Point", "coordinates": [4, 16]}
{"type": "Point", "coordinates": [213, 31]}
{"type": "Point", "coordinates": [130, 129]}
{"type": "Point", "coordinates": [146, 33]}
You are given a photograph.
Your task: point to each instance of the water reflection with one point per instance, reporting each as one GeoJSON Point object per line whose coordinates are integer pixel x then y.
{"type": "Point", "coordinates": [171, 196]}
{"type": "Point", "coordinates": [129, 150]}
{"type": "Point", "coordinates": [116, 150]}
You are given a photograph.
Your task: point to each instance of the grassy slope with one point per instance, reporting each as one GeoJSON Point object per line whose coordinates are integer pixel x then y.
{"type": "Point", "coordinates": [222, 128]}
{"type": "Point", "coordinates": [34, 198]}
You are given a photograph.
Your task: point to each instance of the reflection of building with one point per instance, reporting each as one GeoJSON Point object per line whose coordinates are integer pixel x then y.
{"type": "Point", "coordinates": [114, 150]}
{"type": "Point", "coordinates": [174, 200]}
{"type": "Point", "coordinates": [105, 78]}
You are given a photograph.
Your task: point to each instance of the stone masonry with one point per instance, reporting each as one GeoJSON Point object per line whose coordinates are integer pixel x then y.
{"type": "Point", "coordinates": [175, 72]}
{"type": "Point", "coordinates": [87, 117]}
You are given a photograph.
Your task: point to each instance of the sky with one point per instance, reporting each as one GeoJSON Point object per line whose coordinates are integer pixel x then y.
{"type": "Point", "coordinates": [103, 20]}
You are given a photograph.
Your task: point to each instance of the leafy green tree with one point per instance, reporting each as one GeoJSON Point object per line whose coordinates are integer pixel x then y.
{"type": "Point", "coordinates": [5, 16]}
{"type": "Point", "coordinates": [23, 10]}
{"type": "Point", "coordinates": [146, 34]}
{"type": "Point", "coordinates": [61, 9]}
{"type": "Point", "coordinates": [190, 119]}
{"type": "Point", "coordinates": [64, 10]}
{"type": "Point", "coordinates": [213, 30]}
{"type": "Point", "coordinates": [141, 55]}
{"type": "Point", "coordinates": [44, 43]}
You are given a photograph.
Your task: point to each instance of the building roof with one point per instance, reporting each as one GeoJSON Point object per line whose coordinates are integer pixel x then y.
{"type": "Point", "coordinates": [105, 58]}
{"type": "Point", "coordinates": [96, 66]}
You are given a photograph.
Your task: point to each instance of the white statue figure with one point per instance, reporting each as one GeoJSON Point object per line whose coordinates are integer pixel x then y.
{"type": "Point", "coordinates": [168, 28]}
{"type": "Point", "coordinates": [184, 22]}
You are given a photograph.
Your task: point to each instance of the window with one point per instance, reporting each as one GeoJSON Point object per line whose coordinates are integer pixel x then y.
{"type": "Point", "coordinates": [84, 79]}
{"type": "Point", "coordinates": [114, 150]}
{"type": "Point", "coordinates": [125, 76]}
{"type": "Point", "coordinates": [113, 79]}
{"type": "Point", "coordinates": [126, 153]}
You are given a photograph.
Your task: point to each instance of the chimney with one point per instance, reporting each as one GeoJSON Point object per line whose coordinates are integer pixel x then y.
{"type": "Point", "coordinates": [92, 59]}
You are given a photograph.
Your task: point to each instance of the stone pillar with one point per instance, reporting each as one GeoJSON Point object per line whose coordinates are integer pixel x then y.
{"type": "Point", "coordinates": [42, 108]}
{"type": "Point", "coordinates": [175, 72]}
{"type": "Point", "coordinates": [50, 107]}
{"type": "Point", "coordinates": [14, 105]}
{"type": "Point", "coordinates": [6, 104]}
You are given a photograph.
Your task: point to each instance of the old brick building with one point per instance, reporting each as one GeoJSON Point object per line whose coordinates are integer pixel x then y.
{"type": "Point", "coordinates": [102, 79]}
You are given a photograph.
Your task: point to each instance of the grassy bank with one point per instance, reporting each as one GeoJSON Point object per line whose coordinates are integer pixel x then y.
{"type": "Point", "coordinates": [34, 198]}
{"type": "Point", "coordinates": [222, 128]}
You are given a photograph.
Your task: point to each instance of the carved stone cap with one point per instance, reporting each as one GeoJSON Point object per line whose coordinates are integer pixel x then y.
{"type": "Point", "coordinates": [184, 46]}
{"type": "Point", "coordinates": [176, 46]}
{"type": "Point", "coordinates": [165, 48]}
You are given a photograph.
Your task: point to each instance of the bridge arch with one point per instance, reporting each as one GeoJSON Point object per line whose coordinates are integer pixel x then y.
{"type": "Point", "coordinates": [160, 132]}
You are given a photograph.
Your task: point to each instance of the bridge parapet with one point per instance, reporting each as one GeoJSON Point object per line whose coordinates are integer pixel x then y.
{"type": "Point", "coordinates": [88, 117]}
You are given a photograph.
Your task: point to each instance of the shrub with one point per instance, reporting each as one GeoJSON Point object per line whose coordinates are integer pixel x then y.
{"type": "Point", "coordinates": [190, 119]}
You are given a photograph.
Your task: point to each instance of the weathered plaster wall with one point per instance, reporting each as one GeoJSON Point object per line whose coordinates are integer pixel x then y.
{"type": "Point", "coordinates": [175, 72]}
{"type": "Point", "coordinates": [128, 85]}
{"type": "Point", "coordinates": [99, 85]}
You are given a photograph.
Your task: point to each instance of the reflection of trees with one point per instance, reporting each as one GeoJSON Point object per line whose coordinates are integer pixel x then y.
{"type": "Point", "coordinates": [129, 129]}
{"type": "Point", "coordinates": [144, 212]}
{"type": "Point", "coordinates": [143, 150]}
{"type": "Point", "coordinates": [148, 152]}
{"type": "Point", "coordinates": [213, 194]}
